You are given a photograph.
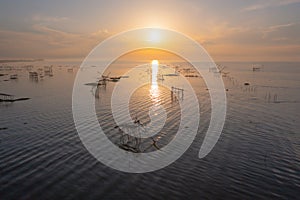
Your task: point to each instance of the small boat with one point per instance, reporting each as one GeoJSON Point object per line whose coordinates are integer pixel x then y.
{"type": "Point", "coordinates": [91, 84]}
{"type": "Point", "coordinates": [114, 79]}
{"type": "Point", "coordinates": [256, 67]}
{"type": "Point", "coordinates": [171, 75]}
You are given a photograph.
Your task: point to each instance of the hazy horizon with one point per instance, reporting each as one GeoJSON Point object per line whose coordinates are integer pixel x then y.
{"type": "Point", "coordinates": [236, 31]}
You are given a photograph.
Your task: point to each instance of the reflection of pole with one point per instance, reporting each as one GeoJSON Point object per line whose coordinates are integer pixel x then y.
{"type": "Point", "coordinates": [172, 94]}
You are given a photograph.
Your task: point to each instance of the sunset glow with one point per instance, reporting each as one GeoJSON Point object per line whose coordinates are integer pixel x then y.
{"type": "Point", "coordinates": [154, 72]}
{"type": "Point", "coordinates": [154, 62]}
{"type": "Point", "coordinates": [243, 31]}
{"type": "Point", "coordinates": [151, 99]}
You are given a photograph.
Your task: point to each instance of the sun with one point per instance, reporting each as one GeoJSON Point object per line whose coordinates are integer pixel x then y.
{"type": "Point", "coordinates": [154, 62]}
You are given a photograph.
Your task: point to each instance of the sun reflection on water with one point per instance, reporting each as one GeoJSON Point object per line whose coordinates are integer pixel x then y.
{"type": "Point", "coordinates": [154, 91]}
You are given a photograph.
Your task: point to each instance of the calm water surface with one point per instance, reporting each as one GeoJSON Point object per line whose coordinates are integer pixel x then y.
{"type": "Point", "coordinates": [257, 156]}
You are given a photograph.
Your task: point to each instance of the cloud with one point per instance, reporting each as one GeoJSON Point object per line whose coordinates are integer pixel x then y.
{"type": "Point", "coordinates": [220, 33]}
{"type": "Point", "coordinates": [269, 3]}
{"type": "Point", "coordinates": [40, 19]}
{"type": "Point", "coordinates": [222, 40]}
{"type": "Point", "coordinates": [284, 33]}
{"type": "Point", "coordinates": [46, 42]}
{"type": "Point", "coordinates": [225, 41]}
{"type": "Point", "coordinates": [271, 29]}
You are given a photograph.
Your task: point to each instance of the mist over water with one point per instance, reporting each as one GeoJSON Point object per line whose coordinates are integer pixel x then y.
{"type": "Point", "coordinates": [257, 156]}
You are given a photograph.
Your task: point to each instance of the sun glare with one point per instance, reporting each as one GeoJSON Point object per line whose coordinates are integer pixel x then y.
{"type": "Point", "coordinates": [154, 72]}
{"type": "Point", "coordinates": [154, 36]}
{"type": "Point", "coordinates": [154, 93]}
{"type": "Point", "coordinates": [154, 62]}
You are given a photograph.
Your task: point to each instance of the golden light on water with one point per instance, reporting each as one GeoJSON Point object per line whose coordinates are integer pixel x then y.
{"type": "Point", "coordinates": [154, 72]}
{"type": "Point", "coordinates": [154, 91]}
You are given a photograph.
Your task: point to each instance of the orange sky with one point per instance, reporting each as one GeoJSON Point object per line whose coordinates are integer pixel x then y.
{"type": "Point", "coordinates": [230, 31]}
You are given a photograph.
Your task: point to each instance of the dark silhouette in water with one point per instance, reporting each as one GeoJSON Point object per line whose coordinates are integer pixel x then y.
{"type": "Point", "coordinates": [13, 100]}
{"type": "Point", "coordinates": [10, 98]}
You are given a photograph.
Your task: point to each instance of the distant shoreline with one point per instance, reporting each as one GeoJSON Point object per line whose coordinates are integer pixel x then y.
{"type": "Point", "coordinates": [21, 60]}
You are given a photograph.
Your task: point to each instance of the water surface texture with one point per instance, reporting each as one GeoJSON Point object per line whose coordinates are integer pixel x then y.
{"type": "Point", "coordinates": [256, 157]}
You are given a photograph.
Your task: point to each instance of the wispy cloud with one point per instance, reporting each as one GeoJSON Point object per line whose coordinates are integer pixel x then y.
{"type": "Point", "coordinates": [41, 18]}
{"type": "Point", "coordinates": [271, 29]}
{"type": "Point", "coordinates": [282, 32]}
{"type": "Point", "coordinates": [269, 3]}
{"type": "Point", "coordinates": [220, 32]}
{"type": "Point", "coordinates": [47, 42]}
{"type": "Point", "coordinates": [228, 42]}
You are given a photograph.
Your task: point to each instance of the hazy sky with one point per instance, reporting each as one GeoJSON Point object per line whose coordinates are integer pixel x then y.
{"type": "Point", "coordinates": [236, 30]}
